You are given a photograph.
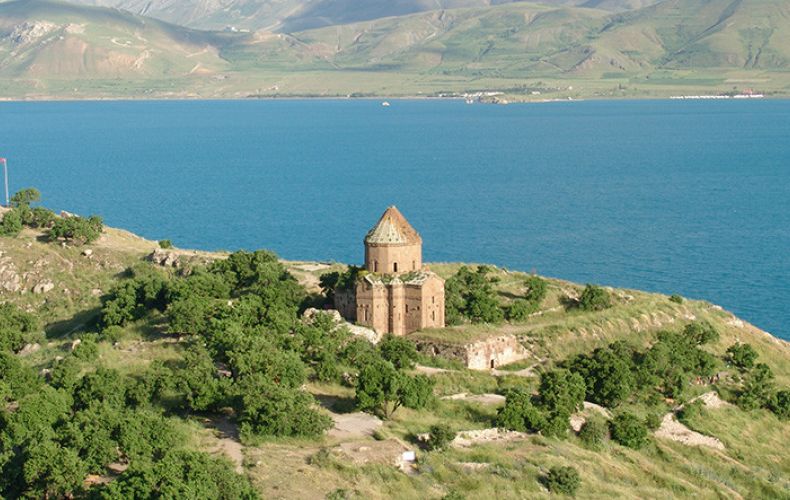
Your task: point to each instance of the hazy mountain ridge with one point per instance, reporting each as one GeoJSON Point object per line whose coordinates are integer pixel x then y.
{"type": "Point", "coordinates": [707, 43]}
{"type": "Point", "coordinates": [299, 15]}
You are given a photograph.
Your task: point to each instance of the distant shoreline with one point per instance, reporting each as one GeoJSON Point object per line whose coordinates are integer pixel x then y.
{"type": "Point", "coordinates": [695, 97]}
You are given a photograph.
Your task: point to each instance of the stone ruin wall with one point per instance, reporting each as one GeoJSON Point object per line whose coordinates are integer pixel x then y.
{"type": "Point", "coordinates": [477, 355]}
{"type": "Point", "coordinates": [346, 304]}
{"type": "Point", "coordinates": [494, 352]}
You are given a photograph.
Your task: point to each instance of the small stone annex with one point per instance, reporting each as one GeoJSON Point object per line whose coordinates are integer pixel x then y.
{"type": "Point", "coordinates": [396, 294]}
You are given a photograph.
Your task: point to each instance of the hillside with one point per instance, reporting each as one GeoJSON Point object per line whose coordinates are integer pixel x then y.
{"type": "Point", "coordinates": [731, 453]}
{"type": "Point", "coordinates": [295, 15]}
{"type": "Point", "coordinates": [528, 51]}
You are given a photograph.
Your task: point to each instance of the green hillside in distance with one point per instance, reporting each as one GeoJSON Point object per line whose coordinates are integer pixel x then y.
{"type": "Point", "coordinates": [526, 51]}
{"type": "Point", "coordinates": [298, 15]}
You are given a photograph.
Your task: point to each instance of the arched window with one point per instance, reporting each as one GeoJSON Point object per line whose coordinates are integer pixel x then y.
{"type": "Point", "coordinates": [394, 267]}
{"type": "Point", "coordinates": [375, 266]}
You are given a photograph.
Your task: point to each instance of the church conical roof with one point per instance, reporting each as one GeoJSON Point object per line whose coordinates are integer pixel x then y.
{"type": "Point", "coordinates": [393, 229]}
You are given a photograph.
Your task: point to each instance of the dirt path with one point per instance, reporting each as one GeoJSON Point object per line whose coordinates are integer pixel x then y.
{"type": "Point", "coordinates": [227, 436]}
{"type": "Point", "coordinates": [672, 429]}
{"type": "Point", "coordinates": [675, 430]}
{"type": "Point", "coordinates": [486, 399]}
{"type": "Point", "coordinates": [353, 425]}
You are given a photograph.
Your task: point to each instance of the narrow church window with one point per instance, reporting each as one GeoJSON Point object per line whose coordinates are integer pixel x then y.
{"type": "Point", "coordinates": [414, 265]}
{"type": "Point", "coordinates": [433, 299]}
{"type": "Point", "coordinates": [395, 267]}
{"type": "Point", "coordinates": [492, 364]}
{"type": "Point", "coordinates": [407, 308]}
{"type": "Point", "coordinates": [375, 266]}
{"type": "Point", "coordinates": [433, 315]}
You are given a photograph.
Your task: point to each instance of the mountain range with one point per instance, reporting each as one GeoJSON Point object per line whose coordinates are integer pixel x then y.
{"type": "Point", "coordinates": [238, 48]}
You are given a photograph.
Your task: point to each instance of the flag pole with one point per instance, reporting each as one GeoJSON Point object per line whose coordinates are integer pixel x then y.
{"type": "Point", "coordinates": [5, 177]}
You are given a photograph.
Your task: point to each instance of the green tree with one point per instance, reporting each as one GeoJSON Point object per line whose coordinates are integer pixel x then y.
{"type": "Point", "coordinates": [441, 435]}
{"type": "Point", "coordinates": [76, 229]}
{"type": "Point", "coordinates": [25, 197]}
{"type": "Point", "coordinates": [520, 414]}
{"type": "Point", "coordinates": [11, 225]}
{"type": "Point", "coordinates": [399, 351]}
{"type": "Point", "coordinates": [471, 294]}
{"type": "Point", "coordinates": [742, 356]}
{"type": "Point", "coordinates": [536, 288]}
{"type": "Point", "coordinates": [594, 298]}
{"type": "Point", "coordinates": [17, 328]}
{"type": "Point", "coordinates": [562, 391]}
{"type": "Point", "coordinates": [628, 430]}
{"type": "Point", "coordinates": [268, 409]}
{"type": "Point", "coordinates": [181, 474]}
{"type": "Point", "coordinates": [50, 470]}
{"type": "Point", "coordinates": [758, 388]}
{"type": "Point", "coordinates": [382, 389]}
{"type": "Point", "coordinates": [593, 433]}
{"type": "Point", "coordinates": [780, 404]}
{"type": "Point", "coordinates": [608, 373]}
{"type": "Point", "coordinates": [520, 309]}
{"type": "Point", "coordinates": [701, 332]}
{"type": "Point", "coordinates": [562, 480]}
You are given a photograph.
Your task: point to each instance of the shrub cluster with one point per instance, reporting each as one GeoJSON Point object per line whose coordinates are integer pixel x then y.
{"type": "Point", "coordinates": [73, 229]}
{"type": "Point", "coordinates": [560, 394]}
{"type": "Point", "coordinates": [618, 372]}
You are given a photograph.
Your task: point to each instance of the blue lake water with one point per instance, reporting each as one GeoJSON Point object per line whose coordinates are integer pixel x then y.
{"type": "Point", "coordinates": [677, 197]}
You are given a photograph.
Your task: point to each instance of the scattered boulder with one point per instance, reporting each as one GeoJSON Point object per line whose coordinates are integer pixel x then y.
{"type": "Point", "coordinates": [165, 258]}
{"type": "Point", "coordinates": [312, 312]}
{"type": "Point", "coordinates": [29, 349]}
{"type": "Point", "coordinates": [75, 343]}
{"type": "Point", "coordinates": [87, 252]}
{"type": "Point", "coordinates": [43, 287]}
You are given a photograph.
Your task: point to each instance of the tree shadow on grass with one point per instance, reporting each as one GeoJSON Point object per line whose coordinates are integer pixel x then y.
{"type": "Point", "coordinates": [85, 321]}
{"type": "Point", "coordinates": [337, 404]}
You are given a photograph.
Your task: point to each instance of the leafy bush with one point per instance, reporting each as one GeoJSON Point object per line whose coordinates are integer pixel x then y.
{"type": "Point", "coordinates": [399, 351]}
{"type": "Point", "coordinates": [181, 474]}
{"type": "Point", "coordinates": [608, 373]}
{"type": "Point", "coordinates": [701, 332]}
{"type": "Point", "coordinates": [17, 328]}
{"type": "Point", "coordinates": [165, 244]}
{"type": "Point", "coordinates": [593, 433]}
{"type": "Point", "coordinates": [742, 356]}
{"type": "Point", "coordinates": [561, 391]}
{"type": "Point", "coordinates": [536, 289]}
{"type": "Point", "coordinates": [520, 413]}
{"type": "Point", "coordinates": [594, 298]}
{"type": "Point", "coordinates": [470, 294]}
{"type": "Point", "coordinates": [690, 412]}
{"type": "Point", "coordinates": [382, 389]}
{"type": "Point", "coordinates": [520, 309]}
{"type": "Point", "coordinates": [41, 218]}
{"type": "Point", "coordinates": [87, 349]}
{"type": "Point", "coordinates": [25, 197]}
{"type": "Point", "coordinates": [440, 436]}
{"type": "Point", "coordinates": [11, 225]}
{"type": "Point", "coordinates": [758, 388]}
{"type": "Point", "coordinates": [677, 299]}
{"type": "Point", "coordinates": [268, 409]}
{"type": "Point", "coordinates": [628, 430]}
{"type": "Point", "coordinates": [76, 229]}
{"type": "Point", "coordinates": [780, 404]}
{"type": "Point", "coordinates": [562, 480]}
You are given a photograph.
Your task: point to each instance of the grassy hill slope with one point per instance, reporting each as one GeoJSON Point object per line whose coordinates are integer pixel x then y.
{"type": "Point", "coordinates": [753, 463]}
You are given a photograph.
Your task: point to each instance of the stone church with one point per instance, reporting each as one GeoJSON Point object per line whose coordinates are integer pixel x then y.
{"type": "Point", "coordinates": [396, 294]}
